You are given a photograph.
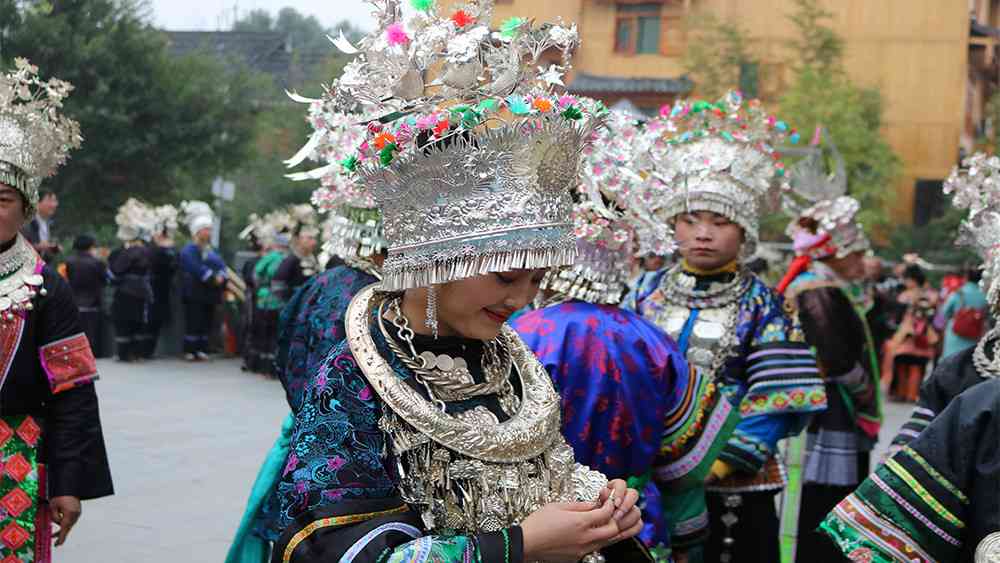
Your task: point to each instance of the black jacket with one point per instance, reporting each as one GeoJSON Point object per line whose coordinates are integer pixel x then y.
{"type": "Point", "coordinates": [87, 277]}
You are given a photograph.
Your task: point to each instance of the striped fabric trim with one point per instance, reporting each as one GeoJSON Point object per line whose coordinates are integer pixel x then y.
{"type": "Point", "coordinates": [919, 419]}
{"type": "Point", "coordinates": [691, 525]}
{"type": "Point", "coordinates": [923, 493]}
{"type": "Point", "coordinates": [882, 533]}
{"type": "Point", "coordinates": [902, 503]}
{"type": "Point", "coordinates": [361, 544]}
{"type": "Point", "coordinates": [333, 521]}
{"type": "Point", "coordinates": [935, 474]}
{"type": "Point", "coordinates": [684, 415]}
{"type": "Point", "coordinates": [714, 426]}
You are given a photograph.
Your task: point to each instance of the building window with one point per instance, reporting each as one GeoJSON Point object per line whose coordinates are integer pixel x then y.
{"type": "Point", "coordinates": [637, 28]}
{"type": "Point", "coordinates": [650, 27]}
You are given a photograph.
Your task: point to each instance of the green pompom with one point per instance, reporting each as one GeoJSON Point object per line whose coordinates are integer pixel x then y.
{"type": "Point", "coordinates": [386, 155]}
{"type": "Point", "coordinates": [422, 5]}
{"type": "Point", "coordinates": [471, 118]}
{"type": "Point", "coordinates": [572, 113]}
{"type": "Point", "coordinates": [488, 104]}
{"type": "Point", "coordinates": [350, 163]}
{"type": "Point", "coordinates": [508, 28]}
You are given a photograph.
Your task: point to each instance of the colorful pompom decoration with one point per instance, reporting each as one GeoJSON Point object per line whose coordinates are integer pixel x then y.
{"type": "Point", "coordinates": [396, 35]}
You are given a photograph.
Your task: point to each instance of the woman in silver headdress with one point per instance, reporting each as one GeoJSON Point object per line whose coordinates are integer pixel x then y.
{"type": "Point", "coordinates": [52, 444]}
{"type": "Point", "coordinates": [432, 433]}
{"type": "Point", "coordinates": [937, 498]}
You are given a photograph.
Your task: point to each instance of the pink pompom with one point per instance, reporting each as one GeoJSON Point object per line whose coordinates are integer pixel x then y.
{"type": "Point", "coordinates": [395, 35]}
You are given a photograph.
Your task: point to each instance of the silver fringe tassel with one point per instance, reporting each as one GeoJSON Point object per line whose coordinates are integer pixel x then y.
{"type": "Point", "coordinates": [402, 272]}
{"type": "Point", "coordinates": [430, 314]}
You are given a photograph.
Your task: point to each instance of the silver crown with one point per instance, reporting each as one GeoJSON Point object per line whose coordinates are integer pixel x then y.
{"type": "Point", "coordinates": [491, 201]}
{"type": "Point", "coordinates": [829, 228]}
{"type": "Point", "coordinates": [719, 157]}
{"type": "Point", "coordinates": [976, 187]}
{"type": "Point", "coordinates": [35, 139]}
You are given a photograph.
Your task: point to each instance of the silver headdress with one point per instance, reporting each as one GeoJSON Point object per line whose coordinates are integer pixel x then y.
{"type": "Point", "coordinates": [829, 228]}
{"type": "Point", "coordinates": [471, 170]}
{"type": "Point", "coordinates": [282, 223]}
{"type": "Point", "coordinates": [353, 228]}
{"type": "Point", "coordinates": [603, 218]}
{"type": "Point", "coordinates": [136, 221]}
{"type": "Point", "coordinates": [976, 187]}
{"type": "Point", "coordinates": [719, 157]}
{"type": "Point", "coordinates": [165, 220]}
{"type": "Point", "coordinates": [197, 215]}
{"type": "Point", "coordinates": [35, 139]}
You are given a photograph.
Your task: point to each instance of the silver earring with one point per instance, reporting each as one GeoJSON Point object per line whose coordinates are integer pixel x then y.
{"type": "Point", "coordinates": [430, 315]}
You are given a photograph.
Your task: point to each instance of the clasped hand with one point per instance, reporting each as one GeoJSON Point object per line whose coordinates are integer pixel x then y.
{"type": "Point", "coordinates": [567, 531]}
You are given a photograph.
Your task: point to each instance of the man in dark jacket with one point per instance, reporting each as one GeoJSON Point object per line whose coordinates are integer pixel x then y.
{"type": "Point", "coordinates": [87, 275]}
{"type": "Point", "coordinates": [38, 231]}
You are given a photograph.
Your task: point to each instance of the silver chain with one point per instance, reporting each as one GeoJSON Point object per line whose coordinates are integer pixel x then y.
{"type": "Point", "coordinates": [440, 385]}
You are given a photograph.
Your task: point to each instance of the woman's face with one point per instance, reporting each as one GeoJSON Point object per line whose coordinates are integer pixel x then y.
{"type": "Point", "coordinates": [11, 212]}
{"type": "Point", "coordinates": [477, 307]}
{"type": "Point", "coordinates": [706, 240]}
{"type": "Point", "coordinates": [850, 267]}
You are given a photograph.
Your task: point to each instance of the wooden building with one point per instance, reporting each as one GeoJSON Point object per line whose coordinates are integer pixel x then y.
{"type": "Point", "coordinates": [916, 52]}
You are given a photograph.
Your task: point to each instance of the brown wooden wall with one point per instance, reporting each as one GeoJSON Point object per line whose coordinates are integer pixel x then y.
{"type": "Point", "coordinates": [913, 51]}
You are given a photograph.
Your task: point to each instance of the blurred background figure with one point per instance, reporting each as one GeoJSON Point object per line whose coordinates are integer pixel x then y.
{"type": "Point", "coordinates": [163, 269]}
{"type": "Point", "coordinates": [915, 342]}
{"type": "Point", "coordinates": [203, 278]}
{"type": "Point", "coordinates": [87, 275]}
{"type": "Point", "coordinates": [38, 231]}
{"type": "Point", "coordinates": [267, 306]}
{"type": "Point", "coordinates": [130, 274]}
{"type": "Point", "coordinates": [965, 315]}
{"type": "Point", "coordinates": [298, 266]}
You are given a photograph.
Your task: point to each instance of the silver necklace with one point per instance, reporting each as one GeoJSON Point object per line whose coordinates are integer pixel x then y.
{"type": "Point", "coordinates": [19, 283]}
{"type": "Point", "coordinates": [984, 366]}
{"type": "Point", "coordinates": [679, 289]}
{"type": "Point", "coordinates": [446, 378]}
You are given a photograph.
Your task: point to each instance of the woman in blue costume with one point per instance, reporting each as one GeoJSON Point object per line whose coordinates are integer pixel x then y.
{"type": "Point", "coordinates": [312, 322]}
{"type": "Point", "coordinates": [627, 392]}
{"type": "Point", "coordinates": [713, 165]}
{"type": "Point", "coordinates": [431, 433]}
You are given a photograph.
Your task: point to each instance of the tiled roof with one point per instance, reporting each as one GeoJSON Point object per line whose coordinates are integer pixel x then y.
{"type": "Point", "coordinates": [265, 52]}
{"type": "Point", "coordinates": [587, 83]}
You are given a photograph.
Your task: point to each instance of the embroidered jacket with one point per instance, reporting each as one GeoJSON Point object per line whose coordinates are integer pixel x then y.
{"type": "Point", "coordinates": [936, 498]}
{"type": "Point", "coordinates": [312, 323]}
{"type": "Point", "coordinates": [770, 374]}
{"type": "Point", "coordinates": [849, 427]}
{"type": "Point", "coordinates": [340, 493]}
{"type": "Point", "coordinates": [630, 403]}
{"type": "Point", "coordinates": [47, 370]}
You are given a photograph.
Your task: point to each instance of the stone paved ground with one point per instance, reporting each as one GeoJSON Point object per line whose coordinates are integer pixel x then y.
{"type": "Point", "coordinates": [185, 442]}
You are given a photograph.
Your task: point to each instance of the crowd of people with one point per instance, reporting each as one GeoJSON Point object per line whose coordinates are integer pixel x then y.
{"type": "Point", "coordinates": [537, 330]}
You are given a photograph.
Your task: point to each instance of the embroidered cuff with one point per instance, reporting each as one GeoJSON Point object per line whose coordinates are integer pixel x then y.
{"type": "Point", "coordinates": [783, 377]}
{"type": "Point", "coordinates": [745, 452]}
{"type": "Point", "coordinates": [68, 363]}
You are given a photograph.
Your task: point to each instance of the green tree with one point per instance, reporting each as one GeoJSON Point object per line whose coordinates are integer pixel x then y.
{"type": "Point", "coordinates": [154, 127]}
{"type": "Point", "coordinates": [717, 53]}
{"type": "Point", "coordinates": [822, 94]}
{"type": "Point", "coordinates": [306, 32]}
{"type": "Point", "coordinates": [818, 46]}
